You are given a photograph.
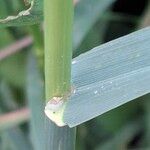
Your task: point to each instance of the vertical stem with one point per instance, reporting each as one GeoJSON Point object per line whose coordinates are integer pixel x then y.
{"type": "Point", "coordinates": [58, 54]}
{"type": "Point", "coordinates": [58, 46]}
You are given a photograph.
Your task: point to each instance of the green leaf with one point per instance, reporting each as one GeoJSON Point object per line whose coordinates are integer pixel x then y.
{"type": "Point", "coordinates": [35, 95]}
{"type": "Point", "coordinates": [32, 15]}
{"type": "Point", "coordinates": [87, 13]}
{"type": "Point", "coordinates": [109, 76]}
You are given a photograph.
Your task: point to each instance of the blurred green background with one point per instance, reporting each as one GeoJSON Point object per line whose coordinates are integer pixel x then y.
{"type": "Point", "coordinates": [96, 22]}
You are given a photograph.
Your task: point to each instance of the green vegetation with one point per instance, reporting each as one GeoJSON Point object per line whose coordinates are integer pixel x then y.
{"type": "Point", "coordinates": [93, 98]}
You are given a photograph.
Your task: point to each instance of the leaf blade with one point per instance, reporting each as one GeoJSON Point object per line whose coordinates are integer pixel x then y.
{"type": "Point", "coordinates": [35, 95]}
{"type": "Point", "coordinates": [118, 73]}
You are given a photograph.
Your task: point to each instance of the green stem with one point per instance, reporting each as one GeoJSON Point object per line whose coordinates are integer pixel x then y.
{"type": "Point", "coordinates": [58, 54]}
{"type": "Point", "coordinates": [58, 46]}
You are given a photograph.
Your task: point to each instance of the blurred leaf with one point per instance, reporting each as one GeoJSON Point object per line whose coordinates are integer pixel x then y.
{"type": "Point", "coordinates": [35, 95]}
{"type": "Point", "coordinates": [7, 97]}
{"type": "Point", "coordinates": [5, 38]}
{"type": "Point", "coordinates": [34, 14]}
{"type": "Point", "coordinates": [113, 120]}
{"type": "Point", "coordinates": [30, 16]}
{"type": "Point", "coordinates": [87, 12]}
{"type": "Point", "coordinates": [3, 10]}
{"type": "Point", "coordinates": [122, 138]}
{"type": "Point", "coordinates": [145, 20]}
{"type": "Point", "coordinates": [12, 69]}
{"type": "Point", "coordinates": [93, 38]}
{"type": "Point", "coordinates": [148, 120]}
{"type": "Point", "coordinates": [15, 6]}
{"type": "Point", "coordinates": [15, 139]}
{"type": "Point", "coordinates": [146, 105]}
{"type": "Point", "coordinates": [12, 7]}
{"type": "Point", "coordinates": [38, 45]}
{"type": "Point", "coordinates": [109, 76]}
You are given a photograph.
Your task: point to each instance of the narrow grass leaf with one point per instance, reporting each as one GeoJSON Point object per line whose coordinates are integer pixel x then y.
{"type": "Point", "coordinates": [109, 76]}
{"type": "Point", "coordinates": [35, 95]}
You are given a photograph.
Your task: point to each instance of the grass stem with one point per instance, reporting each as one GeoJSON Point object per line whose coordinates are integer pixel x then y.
{"type": "Point", "coordinates": [58, 17]}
